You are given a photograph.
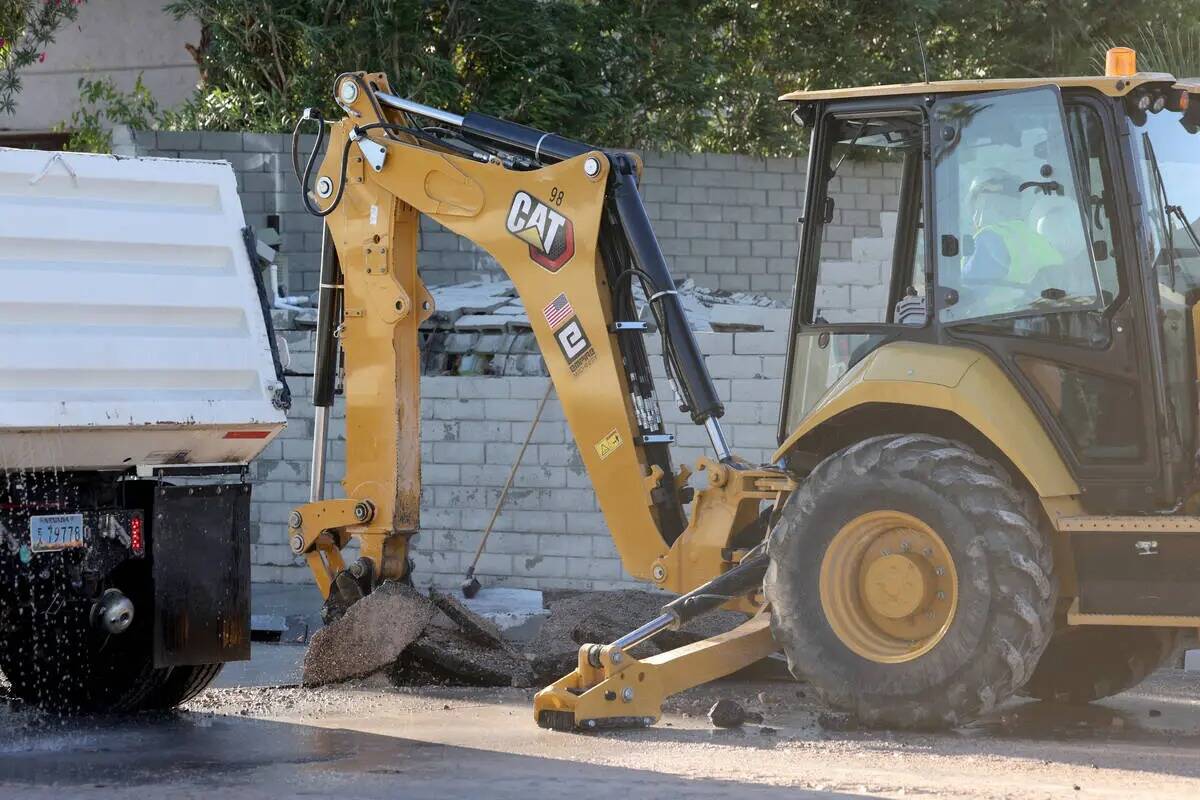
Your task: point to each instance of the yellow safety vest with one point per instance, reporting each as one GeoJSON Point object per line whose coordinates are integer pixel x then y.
{"type": "Point", "coordinates": [1028, 250]}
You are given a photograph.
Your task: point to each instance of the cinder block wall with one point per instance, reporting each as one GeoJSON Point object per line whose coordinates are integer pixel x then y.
{"type": "Point", "coordinates": [728, 222]}
{"type": "Point", "coordinates": [551, 533]}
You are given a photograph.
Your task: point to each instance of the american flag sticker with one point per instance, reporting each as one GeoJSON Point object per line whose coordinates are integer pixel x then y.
{"type": "Point", "coordinates": [558, 311]}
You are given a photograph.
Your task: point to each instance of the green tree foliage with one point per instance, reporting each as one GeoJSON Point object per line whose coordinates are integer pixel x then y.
{"type": "Point", "coordinates": [102, 105]}
{"type": "Point", "coordinates": [692, 74]}
{"type": "Point", "coordinates": [622, 71]}
{"type": "Point", "coordinates": [27, 27]}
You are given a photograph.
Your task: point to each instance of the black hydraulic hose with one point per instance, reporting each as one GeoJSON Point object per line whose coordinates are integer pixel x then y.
{"type": "Point", "coordinates": [311, 113]}
{"type": "Point", "coordinates": [695, 382]}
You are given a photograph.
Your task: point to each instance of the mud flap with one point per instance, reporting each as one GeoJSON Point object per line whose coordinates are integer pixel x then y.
{"type": "Point", "coordinates": [200, 550]}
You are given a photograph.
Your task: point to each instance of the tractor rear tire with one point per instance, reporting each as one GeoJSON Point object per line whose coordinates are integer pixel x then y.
{"type": "Point", "coordinates": [1091, 662]}
{"type": "Point", "coordinates": [869, 544]}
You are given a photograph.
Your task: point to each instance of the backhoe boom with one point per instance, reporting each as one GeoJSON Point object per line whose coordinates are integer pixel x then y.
{"type": "Point", "coordinates": [567, 224]}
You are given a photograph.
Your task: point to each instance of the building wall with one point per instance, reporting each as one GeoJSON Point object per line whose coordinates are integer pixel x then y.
{"type": "Point", "coordinates": [728, 222]}
{"type": "Point", "coordinates": [117, 38]}
{"type": "Point", "coordinates": [551, 533]}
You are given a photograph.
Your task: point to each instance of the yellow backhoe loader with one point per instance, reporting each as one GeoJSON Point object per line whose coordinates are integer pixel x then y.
{"type": "Point", "coordinates": [986, 476]}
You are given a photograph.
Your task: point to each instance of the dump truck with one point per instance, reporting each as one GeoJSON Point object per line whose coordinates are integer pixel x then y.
{"type": "Point", "coordinates": [138, 379]}
{"type": "Point", "coordinates": [986, 481]}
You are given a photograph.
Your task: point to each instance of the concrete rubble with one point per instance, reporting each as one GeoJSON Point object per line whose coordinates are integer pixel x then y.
{"type": "Point", "coordinates": [369, 637]}
{"type": "Point", "coordinates": [439, 640]}
{"type": "Point", "coordinates": [481, 328]}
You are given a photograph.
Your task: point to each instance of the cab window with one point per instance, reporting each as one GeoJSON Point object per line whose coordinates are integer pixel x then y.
{"type": "Point", "coordinates": [869, 269]}
{"type": "Point", "coordinates": [1012, 236]}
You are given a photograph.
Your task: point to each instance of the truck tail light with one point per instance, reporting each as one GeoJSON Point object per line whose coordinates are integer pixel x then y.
{"type": "Point", "coordinates": [137, 541]}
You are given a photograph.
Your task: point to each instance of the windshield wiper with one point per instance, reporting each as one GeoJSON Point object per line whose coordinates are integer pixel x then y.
{"type": "Point", "coordinates": [1169, 210]}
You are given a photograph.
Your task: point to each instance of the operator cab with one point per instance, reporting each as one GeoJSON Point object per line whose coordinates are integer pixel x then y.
{"type": "Point", "coordinates": [1050, 224]}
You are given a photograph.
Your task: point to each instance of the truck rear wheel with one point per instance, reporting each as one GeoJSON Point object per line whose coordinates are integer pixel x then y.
{"type": "Point", "coordinates": [908, 583]}
{"type": "Point", "coordinates": [182, 685]}
{"type": "Point", "coordinates": [1091, 662]}
{"type": "Point", "coordinates": [67, 667]}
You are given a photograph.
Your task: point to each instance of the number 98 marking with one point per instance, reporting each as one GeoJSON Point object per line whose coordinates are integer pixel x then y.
{"type": "Point", "coordinates": [557, 195]}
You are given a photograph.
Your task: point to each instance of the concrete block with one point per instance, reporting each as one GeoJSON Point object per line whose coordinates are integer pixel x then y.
{"type": "Point", "coordinates": [887, 222]}
{"type": "Point", "coordinates": [513, 410]}
{"type": "Point", "coordinates": [833, 297]}
{"type": "Point", "coordinates": [758, 344]}
{"type": "Point", "coordinates": [878, 250]}
{"type": "Point", "coordinates": [735, 366]}
{"type": "Point", "coordinates": [458, 453]}
{"type": "Point", "coordinates": [539, 566]}
{"type": "Point", "coordinates": [221, 141]}
{"type": "Point", "coordinates": [459, 409]}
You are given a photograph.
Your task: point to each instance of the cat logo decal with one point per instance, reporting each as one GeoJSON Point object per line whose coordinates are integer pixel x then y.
{"type": "Point", "coordinates": [550, 235]}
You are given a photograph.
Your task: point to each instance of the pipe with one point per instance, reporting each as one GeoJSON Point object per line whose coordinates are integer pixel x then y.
{"type": "Point", "coordinates": [316, 475]}
{"type": "Point", "coordinates": [717, 436]}
{"type": "Point", "coordinates": [420, 109]}
{"type": "Point", "coordinates": [279, 300]}
{"type": "Point", "coordinates": [647, 631]}
{"type": "Point", "coordinates": [543, 146]}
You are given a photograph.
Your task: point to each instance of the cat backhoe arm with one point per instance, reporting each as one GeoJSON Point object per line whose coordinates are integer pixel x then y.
{"type": "Point", "coordinates": [566, 223]}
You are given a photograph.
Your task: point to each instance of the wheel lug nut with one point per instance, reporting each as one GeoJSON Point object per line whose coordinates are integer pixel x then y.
{"type": "Point", "coordinates": [940, 571]}
{"type": "Point", "coordinates": [940, 596]}
{"type": "Point", "coordinates": [904, 547]}
{"type": "Point", "coordinates": [928, 551]}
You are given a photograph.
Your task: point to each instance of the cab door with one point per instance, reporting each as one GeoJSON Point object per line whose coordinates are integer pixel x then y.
{"type": "Point", "coordinates": [1032, 268]}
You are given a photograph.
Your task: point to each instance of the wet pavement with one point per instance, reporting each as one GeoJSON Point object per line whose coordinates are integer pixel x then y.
{"type": "Point", "coordinates": [185, 755]}
{"type": "Point", "coordinates": [369, 741]}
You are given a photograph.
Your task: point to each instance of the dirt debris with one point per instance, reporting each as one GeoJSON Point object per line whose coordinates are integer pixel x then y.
{"type": "Point", "coordinates": [453, 658]}
{"type": "Point", "coordinates": [726, 713]}
{"type": "Point", "coordinates": [370, 637]}
{"type": "Point", "coordinates": [439, 641]}
{"type": "Point", "coordinates": [602, 617]}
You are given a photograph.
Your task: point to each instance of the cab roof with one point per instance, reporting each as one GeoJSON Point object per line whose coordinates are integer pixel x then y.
{"type": "Point", "coordinates": [1112, 86]}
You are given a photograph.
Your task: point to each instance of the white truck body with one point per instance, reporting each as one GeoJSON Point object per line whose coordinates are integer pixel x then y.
{"type": "Point", "coordinates": [132, 333]}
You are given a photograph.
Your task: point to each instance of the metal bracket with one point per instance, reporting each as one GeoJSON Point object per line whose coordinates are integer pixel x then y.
{"type": "Point", "coordinates": [658, 438]}
{"type": "Point", "coordinates": [373, 152]}
{"type": "Point", "coordinates": [618, 327]}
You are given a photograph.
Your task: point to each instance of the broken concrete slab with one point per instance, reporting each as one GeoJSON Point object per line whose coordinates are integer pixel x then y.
{"type": "Point", "coordinates": [473, 625]}
{"type": "Point", "coordinates": [518, 613]}
{"type": "Point", "coordinates": [449, 657]}
{"type": "Point", "coordinates": [371, 635]}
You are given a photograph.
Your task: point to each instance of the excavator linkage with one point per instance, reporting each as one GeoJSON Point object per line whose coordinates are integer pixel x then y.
{"type": "Point", "coordinates": [567, 224]}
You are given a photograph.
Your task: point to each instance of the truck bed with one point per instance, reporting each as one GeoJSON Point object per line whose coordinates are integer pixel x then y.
{"type": "Point", "coordinates": [131, 326]}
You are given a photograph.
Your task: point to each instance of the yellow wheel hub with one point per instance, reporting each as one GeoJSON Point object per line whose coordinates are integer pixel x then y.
{"type": "Point", "coordinates": [888, 586]}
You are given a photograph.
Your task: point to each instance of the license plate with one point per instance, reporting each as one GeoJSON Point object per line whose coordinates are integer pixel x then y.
{"type": "Point", "coordinates": [55, 532]}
